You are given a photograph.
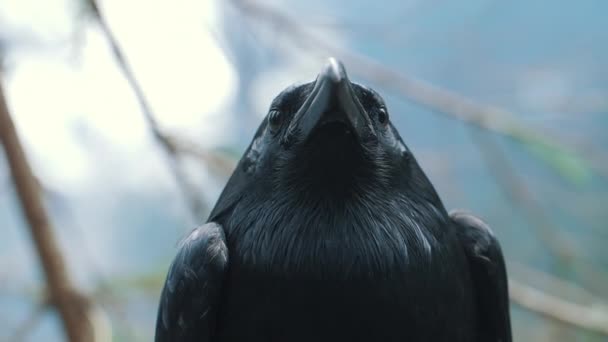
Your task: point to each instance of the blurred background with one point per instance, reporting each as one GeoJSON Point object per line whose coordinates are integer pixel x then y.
{"type": "Point", "coordinates": [133, 113]}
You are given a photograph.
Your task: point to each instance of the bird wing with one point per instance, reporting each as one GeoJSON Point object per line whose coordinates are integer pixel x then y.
{"type": "Point", "coordinates": [489, 276]}
{"type": "Point", "coordinates": [190, 297]}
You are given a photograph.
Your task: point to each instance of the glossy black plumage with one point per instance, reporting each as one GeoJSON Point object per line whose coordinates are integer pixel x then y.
{"type": "Point", "coordinates": [328, 230]}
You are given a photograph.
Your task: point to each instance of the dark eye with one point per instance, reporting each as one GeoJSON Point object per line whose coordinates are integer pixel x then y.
{"type": "Point", "coordinates": [382, 116]}
{"type": "Point", "coordinates": [275, 119]}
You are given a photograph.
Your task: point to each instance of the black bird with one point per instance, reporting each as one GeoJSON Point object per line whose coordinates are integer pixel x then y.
{"type": "Point", "coordinates": [328, 230]}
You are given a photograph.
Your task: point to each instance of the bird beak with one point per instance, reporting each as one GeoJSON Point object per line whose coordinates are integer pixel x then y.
{"type": "Point", "coordinates": [332, 99]}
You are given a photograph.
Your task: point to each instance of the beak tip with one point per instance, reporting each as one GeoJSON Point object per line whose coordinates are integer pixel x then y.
{"type": "Point", "coordinates": [335, 70]}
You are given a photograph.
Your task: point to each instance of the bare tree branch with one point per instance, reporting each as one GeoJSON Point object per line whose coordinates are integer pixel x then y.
{"type": "Point", "coordinates": [519, 195]}
{"type": "Point", "coordinates": [554, 285]}
{"type": "Point", "coordinates": [516, 190]}
{"type": "Point", "coordinates": [593, 317]}
{"type": "Point", "coordinates": [193, 200]}
{"type": "Point", "coordinates": [221, 165]}
{"type": "Point", "coordinates": [72, 306]}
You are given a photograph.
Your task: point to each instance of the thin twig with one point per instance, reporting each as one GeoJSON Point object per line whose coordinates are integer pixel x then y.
{"type": "Point", "coordinates": [554, 285]}
{"type": "Point", "coordinates": [221, 165]}
{"type": "Point", "coordinates": [195, 203]}
{"type": "Point", "coordinates": [71, 305]}
{"type": "Point", "coordinates": [518, 194]}
{"type": "Point", "coordinates": [592, 318]}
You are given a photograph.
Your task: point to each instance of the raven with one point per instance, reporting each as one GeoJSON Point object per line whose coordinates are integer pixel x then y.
{"type": "Point", "coordinates": [329, 230]}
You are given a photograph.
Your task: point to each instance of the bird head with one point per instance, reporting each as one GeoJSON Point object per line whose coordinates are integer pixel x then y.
{"type": "Point", "coordinates": [329, 138]}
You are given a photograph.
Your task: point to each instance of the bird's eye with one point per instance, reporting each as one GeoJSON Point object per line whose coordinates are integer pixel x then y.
{"type": "Point", "coordinates": [383, 116]}
{"type": "Point", "coordinates": [275, 119]}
